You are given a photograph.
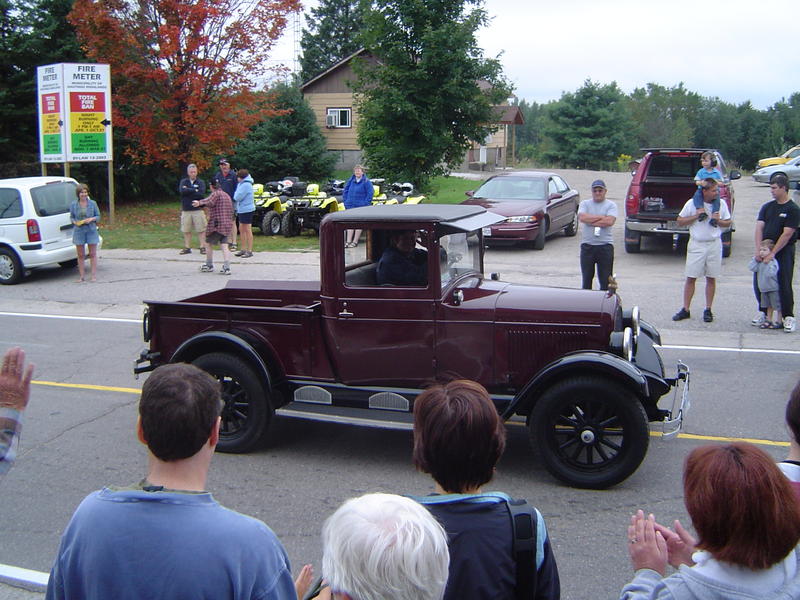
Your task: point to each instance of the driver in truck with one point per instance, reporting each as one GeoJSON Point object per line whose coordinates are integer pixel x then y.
{"type": "Point", "coordinates": [402, 263]}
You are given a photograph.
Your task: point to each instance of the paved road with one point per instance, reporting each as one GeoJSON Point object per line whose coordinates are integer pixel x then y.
{"type": "Point", "coordinates": [78, 439]}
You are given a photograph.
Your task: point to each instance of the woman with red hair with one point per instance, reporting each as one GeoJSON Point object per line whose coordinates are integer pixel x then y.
{"type": "Point", "coordinates": [748, 527]}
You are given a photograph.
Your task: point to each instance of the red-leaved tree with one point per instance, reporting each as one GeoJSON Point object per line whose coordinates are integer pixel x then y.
{"type": "Point", "coordinates": [183, 71]}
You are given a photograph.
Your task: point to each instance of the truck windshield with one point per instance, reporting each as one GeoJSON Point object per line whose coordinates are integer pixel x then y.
{"type": "Point", "coordinates": [460, 253]}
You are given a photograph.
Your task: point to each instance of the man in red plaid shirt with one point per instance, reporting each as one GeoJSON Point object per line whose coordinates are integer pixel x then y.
{"type": "Point", "coordinates": [220, 225]}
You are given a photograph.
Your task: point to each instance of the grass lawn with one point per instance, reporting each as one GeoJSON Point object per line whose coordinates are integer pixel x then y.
{"type": "Point", "coordinates": [145, 225]}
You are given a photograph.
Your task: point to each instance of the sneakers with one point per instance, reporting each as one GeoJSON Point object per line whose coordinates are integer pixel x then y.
{"type": "Point", "coordinates": [246, 254]}
{"type": "Point", "coordinates": [708, 316]}
{"type": "Point", "coordinates": [185, 251]}
{"type": "Point", "coordinates": [231, 246]}
{"type": "Point", "coordinates": [207, 268]}
{"type": "Point", "coordinates": [681, 315]}
{"type": "Point", "coordinates": [225, 270]}
{"type": "Point", "coordinates": [760, 318]}
{"type": "Point", "coordinates": [789, 324]}
{"type": "Point", "coordinates": [240, 253]}
{"type": "Point", "coordinates": [203, 250]}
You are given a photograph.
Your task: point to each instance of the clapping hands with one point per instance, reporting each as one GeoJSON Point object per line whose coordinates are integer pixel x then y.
{"type": "Point", "coordinates": [652, 545]}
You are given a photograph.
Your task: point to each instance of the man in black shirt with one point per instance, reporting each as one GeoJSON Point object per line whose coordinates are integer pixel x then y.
{"type": "Point", "coordinates": [778, 220]}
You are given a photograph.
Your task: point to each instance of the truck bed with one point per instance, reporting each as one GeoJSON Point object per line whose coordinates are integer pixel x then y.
{"type": "Point", "coordinates": [258, 293]}
{"type": "Point", "coordinates": [672, 193]}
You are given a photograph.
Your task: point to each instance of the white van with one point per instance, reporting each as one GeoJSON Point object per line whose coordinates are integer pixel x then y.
{"type": "Point", "coordinates": [35, 228]}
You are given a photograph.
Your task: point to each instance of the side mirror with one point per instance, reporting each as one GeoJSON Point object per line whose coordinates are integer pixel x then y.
{"type": "Point", "coordinates": [734, 175]}
{"type": "Point", "coordinates": [469, 193]}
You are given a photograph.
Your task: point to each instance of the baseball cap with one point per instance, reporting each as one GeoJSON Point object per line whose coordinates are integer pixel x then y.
{"type": "Point", "coordinates": [223, 161]}
{"type": "Point", "coordinates": [599, 183]}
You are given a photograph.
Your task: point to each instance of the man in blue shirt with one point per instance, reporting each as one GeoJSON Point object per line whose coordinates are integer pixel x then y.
{"type": "Point", "coordinates": [166, 537]}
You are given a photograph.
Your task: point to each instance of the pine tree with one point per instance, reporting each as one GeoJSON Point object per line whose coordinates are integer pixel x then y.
{"type": "Point", "coordinates": [333, 33]}
{"type": "Point", "coordinates": [290, 144]}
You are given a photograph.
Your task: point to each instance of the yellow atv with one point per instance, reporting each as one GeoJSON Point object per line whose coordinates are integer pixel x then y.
{"type": "Point", "coordinates": [307, 210]}
{"type": "Point", "coordinates": [270, 206]}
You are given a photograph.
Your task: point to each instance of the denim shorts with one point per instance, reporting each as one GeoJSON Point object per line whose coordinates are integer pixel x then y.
{"type": "Point", "coordinates": [85, 235]}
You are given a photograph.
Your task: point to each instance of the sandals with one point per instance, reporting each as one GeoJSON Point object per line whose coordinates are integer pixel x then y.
{"type": "Point", "coordinates": [768, 325]}
{"type": "Point", "coordinates": [351, 244]}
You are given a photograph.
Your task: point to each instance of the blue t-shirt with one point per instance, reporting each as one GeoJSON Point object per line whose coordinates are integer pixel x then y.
{"type": "Point", "coordinates": [713, 173]}
{"type": "Point", "coordinates": [132, 544]}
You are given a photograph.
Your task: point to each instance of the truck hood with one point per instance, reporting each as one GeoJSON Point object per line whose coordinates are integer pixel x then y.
{"type": "Point", "coordinates": [532, 304]}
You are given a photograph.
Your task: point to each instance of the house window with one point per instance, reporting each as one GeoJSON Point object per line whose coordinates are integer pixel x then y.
{"type": "Point", "coordinates": [338, 117]}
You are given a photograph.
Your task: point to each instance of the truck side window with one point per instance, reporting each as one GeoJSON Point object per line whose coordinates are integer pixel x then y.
{"type": "Point", "coordinates": [10, 204]}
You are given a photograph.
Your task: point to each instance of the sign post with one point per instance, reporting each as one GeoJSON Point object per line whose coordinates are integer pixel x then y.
{"type": "Point", "coordinates": [75, 117]}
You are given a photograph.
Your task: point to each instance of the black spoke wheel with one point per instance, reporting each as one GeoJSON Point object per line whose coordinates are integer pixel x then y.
{"type": "Point", "coordinates": [590, 432]}
{"type": "Point", "coordinates": [246, 413]}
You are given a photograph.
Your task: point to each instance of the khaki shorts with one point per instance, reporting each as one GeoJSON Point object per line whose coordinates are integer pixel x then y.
{"type": "Point", "coordinates": [704, 259]}
{"type": "Point", "coordinates": [193, 221]}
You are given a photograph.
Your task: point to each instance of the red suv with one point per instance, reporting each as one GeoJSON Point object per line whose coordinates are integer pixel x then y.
{"type": "Point", "coordinates": [661, 185]}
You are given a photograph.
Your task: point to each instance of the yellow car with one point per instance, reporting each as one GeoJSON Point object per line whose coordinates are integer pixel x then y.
{"type": "Point", "coordinates": [791, 153]}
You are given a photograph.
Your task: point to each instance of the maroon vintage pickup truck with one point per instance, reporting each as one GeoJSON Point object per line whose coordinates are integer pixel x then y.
{"type": "Point", "coordinates": [583, 375]}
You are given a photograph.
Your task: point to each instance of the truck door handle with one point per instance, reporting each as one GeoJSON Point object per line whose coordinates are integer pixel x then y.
{"type": "Point", "coordinates": [345, 312]}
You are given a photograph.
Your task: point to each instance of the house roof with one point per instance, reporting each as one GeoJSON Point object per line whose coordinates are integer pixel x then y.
{"type": "Point", "coordinates": [338, 65]}
{"type": "Point", "coordinates": [509, 115]}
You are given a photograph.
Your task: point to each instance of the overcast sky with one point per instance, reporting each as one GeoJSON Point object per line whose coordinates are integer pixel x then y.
{"type": "Point", "coordinates": [745, 51]}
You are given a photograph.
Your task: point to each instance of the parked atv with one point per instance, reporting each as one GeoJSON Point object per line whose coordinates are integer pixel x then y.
{"type": "Point", "coordinates": [307, 209]}
{"type": "Point", "coordinates": [270, 206]}
{"type": "Point", "coordinates": [404, 193]}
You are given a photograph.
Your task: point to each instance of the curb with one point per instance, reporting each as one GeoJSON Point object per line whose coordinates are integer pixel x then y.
{"type": "Point", "coordinates": [27, 579]}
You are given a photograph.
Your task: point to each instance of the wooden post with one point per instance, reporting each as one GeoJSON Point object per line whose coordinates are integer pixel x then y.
{"type": "Point", "coordinates": [513, 144]}
{"type": "Point", "coordinates": [110, 193]}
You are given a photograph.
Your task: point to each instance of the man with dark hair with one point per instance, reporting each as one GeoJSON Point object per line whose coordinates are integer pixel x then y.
{"type": "Point", "coordinates": [458, 440]}
{"type": "Point", "coordinates": [778, 220]}
{"type": "Point", "coordinates": [402, 263]}
{"type": "Point", "coordinates": [166, 537]}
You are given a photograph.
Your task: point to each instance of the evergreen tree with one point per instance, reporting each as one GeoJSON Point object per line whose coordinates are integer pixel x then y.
{"type": "Point", "coordinates": [431, 91]}
{"type": "Point", "coordinates": [333, 33]}
{"type": "Point", "coordinates": [590, 128]}
{"type": "Point", "coordinates": [290, 144]}
{"type": "Point", "coordinates": [663, 115]}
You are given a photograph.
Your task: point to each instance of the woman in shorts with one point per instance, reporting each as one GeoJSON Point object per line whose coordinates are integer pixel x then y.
{"type": "Point", "coordinates": [85, 214]}
{"type": "Point", "coordinates": [245, 209]}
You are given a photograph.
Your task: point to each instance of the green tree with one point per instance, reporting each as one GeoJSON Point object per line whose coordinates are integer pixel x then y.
{"type": "Point", "coordinates": [431, 91]}
{"type": "Point", "coordinates": [717, 125]}
{"type": "Point", "coordinates": [590, 127]}
{"type": "Point", "coordinates": [32, 33]}
{"type": "Point", "coordinates": [663, 115]}
{"type": "Point", "coordinates": [529, 134]}
{"type": "Point", "coordinates": [291, 144]}
{"type": "Point", "coordinates": [333, 33]}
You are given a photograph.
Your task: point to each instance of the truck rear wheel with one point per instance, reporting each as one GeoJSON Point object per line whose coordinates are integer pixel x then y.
{"type": "Point", "coordinates": [633, 241]}
{"type": "Point", "coordinates": [271, 223]}
{"type": "Point", "coordinates": [246, 413]}
{"type": "Point", "coordinates": [589, 432]}
{"type": "Point", "coordinates": [727, 243]}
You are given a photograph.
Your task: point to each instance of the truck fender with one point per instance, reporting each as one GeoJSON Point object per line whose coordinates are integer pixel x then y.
{"type": "Point", "coordinates": [650, 330]}
{"type": "Point", "coordinates": [221, 341]}
{"type": "Point", "coordinates": [603, 363]}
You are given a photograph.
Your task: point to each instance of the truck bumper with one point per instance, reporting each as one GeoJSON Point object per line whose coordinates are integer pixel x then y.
{"type": "Point", "coordinates": [673, 423]}
{"type": "Point", "coordinates": [656, 227]}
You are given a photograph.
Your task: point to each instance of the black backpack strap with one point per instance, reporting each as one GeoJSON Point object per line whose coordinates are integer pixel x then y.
{"type": "Point", "coordinates": [524, 519]}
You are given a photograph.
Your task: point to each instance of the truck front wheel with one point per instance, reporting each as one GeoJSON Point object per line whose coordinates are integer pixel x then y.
{"type": "Point", "coordinates": [246, 413]}
{"type": "Point", "coordinates": [589, 432]}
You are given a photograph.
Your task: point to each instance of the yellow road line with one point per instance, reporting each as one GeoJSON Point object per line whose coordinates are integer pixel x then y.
{"type": "Point", "coordinates": [86, 386]}
{"type": "Point", "coordinates": [685, 436]}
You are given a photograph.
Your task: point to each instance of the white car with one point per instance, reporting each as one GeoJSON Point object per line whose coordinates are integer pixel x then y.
{"type": "Point", "coordinates": [791, 169]}
{"type": "Point", "coordinates": [35, 228]}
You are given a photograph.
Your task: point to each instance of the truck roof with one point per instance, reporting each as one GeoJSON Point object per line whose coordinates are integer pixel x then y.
{"type": "Point", "coordinates": [464, 217]}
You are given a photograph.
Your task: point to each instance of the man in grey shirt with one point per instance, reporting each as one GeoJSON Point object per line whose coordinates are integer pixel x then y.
{"type": "Point", "coordinates": [597, 216]}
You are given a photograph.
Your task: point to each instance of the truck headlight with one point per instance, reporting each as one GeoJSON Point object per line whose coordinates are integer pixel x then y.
{"type": "Point", "coordinates": [630, 318]}
{"type": "Point", "coordinates": [621, 343]}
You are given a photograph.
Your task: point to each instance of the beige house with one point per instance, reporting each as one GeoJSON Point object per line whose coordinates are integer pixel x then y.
{"type": "Point", "coordinates": [331, 99]}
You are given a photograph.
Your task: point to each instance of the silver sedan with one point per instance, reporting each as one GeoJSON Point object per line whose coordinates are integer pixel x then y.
{"type": "Point", "coordinates": [791, 169]}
